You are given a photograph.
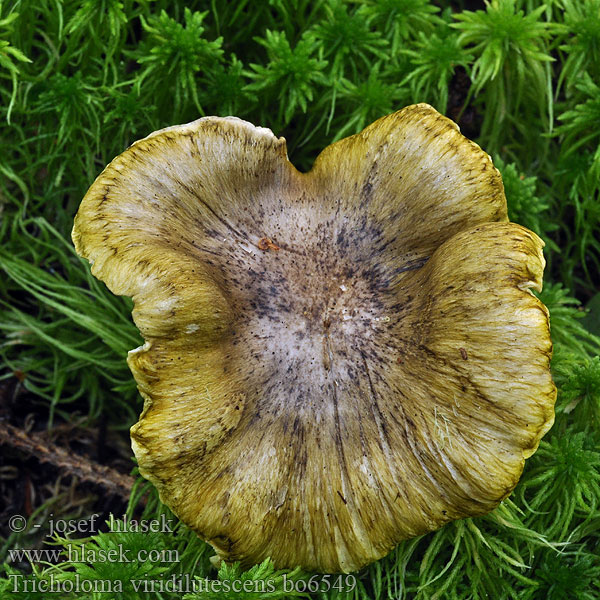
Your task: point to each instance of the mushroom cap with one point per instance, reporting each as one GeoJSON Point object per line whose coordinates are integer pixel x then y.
{"type": "Point", "coordinates": [334, 361]}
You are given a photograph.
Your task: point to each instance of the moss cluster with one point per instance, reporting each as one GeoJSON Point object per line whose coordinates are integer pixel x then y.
{"type": "Point", "coordinates": [79, 81]}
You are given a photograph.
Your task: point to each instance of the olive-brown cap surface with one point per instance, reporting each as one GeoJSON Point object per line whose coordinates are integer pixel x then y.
{"type": "Point", "coordinates": [336, 360]}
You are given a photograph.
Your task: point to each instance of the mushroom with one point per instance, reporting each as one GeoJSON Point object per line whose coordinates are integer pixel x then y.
{"type": "Point", "coordinates": [334, 361]}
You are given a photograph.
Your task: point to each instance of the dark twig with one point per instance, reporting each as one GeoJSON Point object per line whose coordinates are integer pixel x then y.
{"type": "Point", "coordinates": [73, 464]}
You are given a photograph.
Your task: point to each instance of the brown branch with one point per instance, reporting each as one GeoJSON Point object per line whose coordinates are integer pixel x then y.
{"type": "Point", "coordinates": [79, 466]}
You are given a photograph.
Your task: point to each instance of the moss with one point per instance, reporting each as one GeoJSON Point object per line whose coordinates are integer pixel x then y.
{"type": "Point", "coordinates": [80, 81]}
